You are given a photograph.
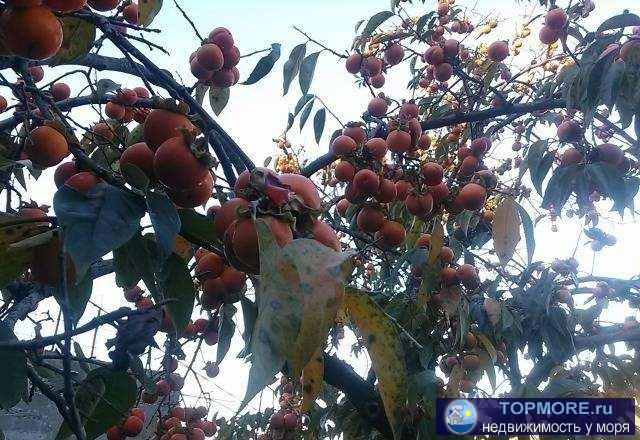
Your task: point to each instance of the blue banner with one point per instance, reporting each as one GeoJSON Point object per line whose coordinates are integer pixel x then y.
{"type": "Point", "coordinates": [536, 416]}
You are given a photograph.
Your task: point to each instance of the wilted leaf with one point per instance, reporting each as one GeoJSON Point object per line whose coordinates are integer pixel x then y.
{"type": "Point", "coordinates": [506, 230]}
{"type": "Point", "coordinates": [312, 376]}
{"type": "Point", "coordinates": [13, 370]}
{"type": "Point", "coordinates": [218, 98]}
{"type": "Point", "coordinates": [79, 36]}
{"type": "Point", "coordinates": [384, 346]}
{"type": "Point", "coordinates": [147, 10]}
{"type": "Point", "coordinates": [97, 222]}
{"type": "Point", "coordinates": [299, 290]}
{"type": "Point", "coordinates": [292, 66]}
{"type": "Point", "coordinates": [264, 65]}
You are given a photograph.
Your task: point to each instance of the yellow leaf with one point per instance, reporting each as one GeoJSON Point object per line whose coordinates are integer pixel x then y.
{"type": "Point", "coordinates": [299, 291]}
{"type": "Point", "coordinates": [79, 36]}
{"type": "Point", "coordinates": [453, 386]}
{"type": "Point", "coordinates": [437, 241]}
{"type": "Point", "coordinates": [15, 254]}
{"type": "Point", "coordinates": [148, 9]}
{"type": "Point", "coordinates": [494, 309]}
{"type": "Point", "coordinates": [506, 230]}
{"type": "Point", "coordinates": [382, 341]}
{"type": "Point", "coordinates": [488, 346]}
{"type": "Point", "coordinates": [312, 376]}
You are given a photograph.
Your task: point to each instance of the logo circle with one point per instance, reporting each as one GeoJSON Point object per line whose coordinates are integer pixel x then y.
{"type": "Point", "coordinates": [460, 416]}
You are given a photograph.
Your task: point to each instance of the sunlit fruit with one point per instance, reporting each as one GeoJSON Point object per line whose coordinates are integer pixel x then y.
{"type": "Point", "coordinates": [32, 32]}
{"type": "Point", "coordinates": [303, 187]}
{"type": "Point", "coordinates": [175, 165]}
{"type": "Point", "coordinates": [370, 219]}
{"type": "Point", "coordinates": [392, 234]}
{"type": "Point", "coordinates": [325, 234]}
{"type": "Point", "coordinates": [161, 125]}
{"type": "Point", "coordinates": [472, 196]}
{"type": "Point", "coordinates": [46, 146]}
{"type": "Point", "coordinates": [140, 156]}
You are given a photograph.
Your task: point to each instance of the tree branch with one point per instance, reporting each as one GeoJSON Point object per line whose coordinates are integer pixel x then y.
{"type": "Point", "coordinates": [360, 393]}
{"type": "Point", "coordinates": [542, 369]}
{"type": "Point", "coordinates": [453, 119]}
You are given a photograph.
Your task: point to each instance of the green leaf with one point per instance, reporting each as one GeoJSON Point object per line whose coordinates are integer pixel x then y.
{"type": "Point", "coordinates": [226, 330]}
{"type": "Point", "coordinates": [318, 124]}
{"type": "Point", "coordinates": [135, 135]}
{"type": "Point", "coordinates": [147, 10]}
{"type": "Point", "coordinates": [264, 65]}
{"type": "Point", "coordinates": [104, 398]}
{"type": "Point", "coordinates": [305, 114]}
{"type": "Point", "coordinates": [133, 262]}
{"type": "Point", "coordinates": [175, 284]}
{"type": "Point", "coordinates": [165, 220]}
{"type": "Point", "coordinates": [139, 372]}
{"type": "Point", "coordinates": [619, 21]}
{"type": "Point", "coordinates": [381, 338]}
{"type": "Point", "coordinates": [307, 69]}
{"type": "Point", "coordinates": [98, 222]}
{"type": "Point", "coordinates": [560, 187]}
{"type": "Point", "coordinates": [297, 295]}
{"type": "Point", "coordinates": [529, 234]}
{"type": "Point", "coordinates": [200, 92]}
{"type": "Point", "coordinates": [79, 36]}
{"type": "Point", "coordinates": [249, 316]}
{"type": "Point", "coordinates": [104, 86]}
{"type": "Point", "coordinates": [13, 370]}
{"type": "Point", "coordinates": [198, 228]}
{"type": "Point", "coordinates": [14, 263]}
{"type": "Point", "coordinates": [79, 296]}
{"type": "Point", "coordinates": [539, 172]}
{"type": "Point", "coordinates": [304, 99]}
{"type": "Point", "coordinates": [218, 99]}
{"type": "Point", "coordinates": [134, 176]}
{"type": "Point", "coordinates": [610, 86]}
{"type": "Point", "coordinates": [374, 22]}
{"type": "Point", "coordinates": [539, 161]}
{"type": "Point", "coordinates": [292, 66]}
{"type": "Point", "coordinates": [506, 230]}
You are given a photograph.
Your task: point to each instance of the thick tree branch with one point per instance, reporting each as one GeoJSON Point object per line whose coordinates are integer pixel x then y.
{"type": "Point", "coordinates": [360, 393]}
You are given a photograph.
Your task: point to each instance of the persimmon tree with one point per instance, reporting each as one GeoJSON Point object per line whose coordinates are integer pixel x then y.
{"type": "Point", "coordinates": [416, 230]}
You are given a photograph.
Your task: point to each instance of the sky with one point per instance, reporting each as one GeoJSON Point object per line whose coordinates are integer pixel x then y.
{"type": "Point", "coordinates": [258, 113]}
